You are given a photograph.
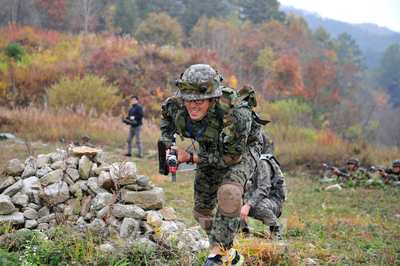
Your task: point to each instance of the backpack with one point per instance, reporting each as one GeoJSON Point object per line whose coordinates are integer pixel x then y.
{"type": "Point", "coordinates": [278, 184]}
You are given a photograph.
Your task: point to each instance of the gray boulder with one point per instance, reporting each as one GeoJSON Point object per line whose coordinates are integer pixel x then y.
{"type": "Point", "coordinates": [31, 224]}
{"type": "Point", "coordinates": [43, 159]}
{"type": "Point", "coordinates": [129, 228]}
{"type": "Point", "coordinates": [101, 200]}
{"type": "Point", "coordinates": [13, 189]}
{"type": "Point", "coordinates": [124, 173]}
{"type": "Point", "coordinates": [56, 193]}
{"type": "Point", "coordinates": [20, 200]}
{"type": "Point", "coordinates": [14, 218]}
{"type": "Point", "coordinates": [6, 182]}
{"type": "Point", "coordinates": [13, 167]}
{"type": "Point", "coordinates": [31, 187]}
{"type": "Point", "coordinates": [128, 211]}
{"type": "Point", "coordinates": [31, 214]}
{"type": "Point", "coordinates": [105, 180]}
{"type": "Point", "coordinates": [94, 186]}
{"type": "Point", "coordinates": [84, 167]}
{"type": "Point", "coordinates": [44, 170]}
{"type": "Point", "coordinates": [52, 177]}
{"type": "Point", "coordinates": [6, 205]}
{"type": "Point", "coordinates": [73, 174]}
{"type": "Point", "coordinates": [147, 200]}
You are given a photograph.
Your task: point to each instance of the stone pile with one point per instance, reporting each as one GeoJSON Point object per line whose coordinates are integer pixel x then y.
{"type": "Point", "coordinates": [80, 188]}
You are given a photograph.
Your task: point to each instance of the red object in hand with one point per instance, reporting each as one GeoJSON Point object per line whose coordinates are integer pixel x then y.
{"type": "Point", "coordinates": [172, 169]}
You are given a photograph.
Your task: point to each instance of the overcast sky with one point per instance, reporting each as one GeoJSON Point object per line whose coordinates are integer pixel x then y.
{"type": "Point", "coordinates": [381, 12]}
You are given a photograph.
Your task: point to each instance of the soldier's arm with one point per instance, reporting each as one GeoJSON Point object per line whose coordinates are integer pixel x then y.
{"type": "Point", "coordinates": [168, 112]}
{"type": "Point", "coordinates": [263, 180]}
{"type": "Point", "coordinates": [241, 117]}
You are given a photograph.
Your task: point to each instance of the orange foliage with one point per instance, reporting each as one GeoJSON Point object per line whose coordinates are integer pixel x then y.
{"type": "Point", "coordinates": [318, 74]}
{"type": "Point", "coordinates": [327, 138]}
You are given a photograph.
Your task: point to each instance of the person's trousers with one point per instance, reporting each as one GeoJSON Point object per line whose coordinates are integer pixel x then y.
{"type": "Point", "coordinates": [135, 131]}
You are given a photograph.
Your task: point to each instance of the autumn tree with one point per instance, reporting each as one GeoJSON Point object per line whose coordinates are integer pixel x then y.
{"type": "Point", "coordinates": [159, 29]}
{"type": "Point", "coordinates": [55, 12]}
{"type": "Point", "coordinates": [86, 11]}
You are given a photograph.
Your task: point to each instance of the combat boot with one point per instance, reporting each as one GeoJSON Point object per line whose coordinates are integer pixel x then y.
{"type": "Point", "coordinates": [235, 260]}
{"type": "Point", "coordinates": [275, 232]}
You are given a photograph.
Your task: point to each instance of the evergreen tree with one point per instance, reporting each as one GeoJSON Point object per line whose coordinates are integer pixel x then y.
{"type": "Point", "coordinates": [193, 10]}
{"type": "Point", "coordinates": [126, 16]}
{"type": "Point", "coordinates": [389, 73]}
{"type": "Point", "coordinates": [260, 11]}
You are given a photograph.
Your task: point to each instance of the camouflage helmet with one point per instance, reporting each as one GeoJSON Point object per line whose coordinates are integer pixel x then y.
{"type": "Point", "coordinates": [354, 161]}
{"type": "Point", "coordinates": [269, 145]}
{"type": "Point", "coordinates": [199, 82]}
{"type": "Point", "coordinates": [396, 163]}
{"type": "Point", "coordinates": [85, 137]}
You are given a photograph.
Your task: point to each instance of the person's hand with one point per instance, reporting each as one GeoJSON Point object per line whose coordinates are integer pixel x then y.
{"type": "Point", "coordinates": [244, 212]}
{"type": "Point", "coordinates": [383, 173]}
{"type": "Point", "coordinates": [132, 118]}
{"type": "Point", "coordinates": [335, 170]}
{"type": "Point", "coordinates": [182, 155]}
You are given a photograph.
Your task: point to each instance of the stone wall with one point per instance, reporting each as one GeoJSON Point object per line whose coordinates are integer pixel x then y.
{"type": "Point", "coordinates": [80, 188]}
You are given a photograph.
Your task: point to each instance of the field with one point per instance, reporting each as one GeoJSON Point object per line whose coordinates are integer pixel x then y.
{"type": "Point", "coordinates": [355, 226]}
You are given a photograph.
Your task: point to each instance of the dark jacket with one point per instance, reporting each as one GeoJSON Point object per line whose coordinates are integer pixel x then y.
{"type": "Point", "coordinates": [136, 111]}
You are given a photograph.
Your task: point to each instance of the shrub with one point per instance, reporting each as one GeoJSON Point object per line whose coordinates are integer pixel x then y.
{"type": "Point", "coordinates": [90, 90]}
{"type": "Point", "coordinates": [14, 50]}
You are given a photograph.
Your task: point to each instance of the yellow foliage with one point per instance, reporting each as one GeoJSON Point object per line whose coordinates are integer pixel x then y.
{"type": "Point", "coordinates": [232, 82]}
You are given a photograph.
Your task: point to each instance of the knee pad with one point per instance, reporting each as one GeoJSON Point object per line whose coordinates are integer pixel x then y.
{"type": "Point", "coordinates": [204, 218]}
{"type": "Point", "coordinates": [230, 199]}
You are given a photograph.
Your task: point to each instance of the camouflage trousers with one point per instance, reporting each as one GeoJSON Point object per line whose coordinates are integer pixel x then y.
{"type": "Point", "coordinates": [206, 184]}
{"type": "Point", "coordinates": [267, 211]}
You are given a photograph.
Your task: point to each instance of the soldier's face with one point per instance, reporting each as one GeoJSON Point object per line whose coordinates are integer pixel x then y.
{"type": "Point", "coordinates": [196, 110]}
{"type": "Point", "coordinates": [350, 166]}
{"type": "Point", "coordinates": [396, 169]}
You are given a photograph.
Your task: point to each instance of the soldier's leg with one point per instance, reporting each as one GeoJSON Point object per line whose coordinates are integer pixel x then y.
{"type": "Point", "coordinates": [206, 184]}
{"type": "Point", "coordinates": [267, 211]}
{"type": "Point", "coordinates": [138, 134]}
{"type": "Point", "coordinates": [131, 134]}
{"type": "Point", "coordinates": [226, 219]}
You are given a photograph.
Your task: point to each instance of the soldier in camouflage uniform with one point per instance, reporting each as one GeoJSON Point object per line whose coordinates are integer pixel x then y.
{"type": "Point", "coordinates": [392, 175]}
{"type": "Point", "coordinates": [356, 173]}
{"type": "Point", "coordinates": [230, 145]}
{"type": "Point", "coordinates": [265, 192]}
{"type": "Point", "coordinates": [85, 141]}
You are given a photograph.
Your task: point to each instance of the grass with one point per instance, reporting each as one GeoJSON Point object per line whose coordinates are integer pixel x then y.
{"type": "Point", "coordinates": [355, 226]}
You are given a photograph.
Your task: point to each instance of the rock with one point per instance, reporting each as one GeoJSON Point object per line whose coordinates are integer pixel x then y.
{"type": "Point", "coordinates": [154, 218]}
{"type": "Point", "coordinates": [100, 169]}
{"type": "Point", "coordinates": [113, 233]}
{"type": "Point", "coordinates": [47, 218]}
{"type": "Point", "coordinates": [168, 214]}
{"type": "Point", "coordinates": [84, 166]}
{"type": "Point", "coordinates": [147, 200]}
{"type": "Point", "coordinates": [81, 222]}
{"type": "Point", "coordinates": [334, 187]}
{"type": "Point", "coordinates": [13, 167]}
{"type": "Point", "coordinates": [101, 200]}
{"type": "Point", "coordinates": [43, 159]}
{"type": "Point", "coordinates": [136, 187]}
{"type": "Point", "coordinates": [56, 157]}
{"type": "Point", "coordinates": [310, 246]}
{"type": "Point", "coordinates": [44, 170]}
{"type": "Point", "coordinates": [43, 226]}
{"type": "Point", "coordinates": [13, 189]}
{"type": "Point", "coordinates": [101, 158]}
{"type": "Point", "coordinates": [181, 226]}
{"type": "Point", "coordinates": [34, 206]}
{"type": "Point", "coordinates": [56, 193]}
{"type": "Point", "coordinates": [73, 174]}
{"type": "Point", "coordinates": [72, 160]}
{"type": "Point", "coordinates": [84, 151]}
{"type": "Point", "coordinates": [85, 205]}
{"type": "Point", "coordinates": [147, 242]}
{"type": "Point", "coordinates": [311, 262]}
{"type": "Point", "coordinates": [73, 207]}
{"type": "Point", "coordinates": [14, 218]}
{"type": "Point", "coordinates": [31, 187]}
{"type": "Point", "coordinates": [52, 177]}
{"type": "Point", "coordinates": [6, 205]}
{"type": "Point", "coordinates": [103, 212]}
{"type": "Point", "coordinates": [124, 173]}
{"type": "Point", "coordinates": [97, 223]}
{"type": "Point", "coordinates": [31, 215]}
{"type": "Point", "coordinates": [44, 211]}
{"type": "Point", "coordinates": [129, 227]}
{"type": "Point", "coordinates": [204, 244]}
{"type": "Point", "coordinates": [106, 249]}
{"type": "Point", "coordinates": [20, 200]}
{"type": "Point", "coordinates": [128, 211]}
{"type": "Point", "coordinates": [30, 167]}
{"type": "Point", "coordinates": [94, 186]}
{"type": "Point", "coordinates": [105, 180]}
{"type": "Point", "coordinates": [59, 165]}
{"type": "Point", "coordinates": [142, 180]}
{"type": "Point", "coordinates": [6, 182]}
{"type": "Point", "coordinates": [195, 232]}
{"type": "Point", "coordinates": [169, 227]}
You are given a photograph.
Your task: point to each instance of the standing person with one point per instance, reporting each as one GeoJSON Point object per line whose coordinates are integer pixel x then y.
{"type": "Point", "coordinates": [390, 175]}
{"type": "Point", "coordinates": [265, 192]}
{"type": "Point", "coordinates": [221, 122]}
{"type": "Point", "coordinates": [356, 173]}
{"type": "Point", "coordinates": [136, 115]}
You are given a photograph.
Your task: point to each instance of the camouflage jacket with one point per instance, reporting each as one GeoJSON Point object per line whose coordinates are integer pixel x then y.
{"type": "Point", "coordinates": [391, 176]}
{"type": "Point", "coordinates": [268, 182]}
{"type": "Point", "coordinates": [210, 154]}
{"type": "Point", "coordinates": [359, 174]}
